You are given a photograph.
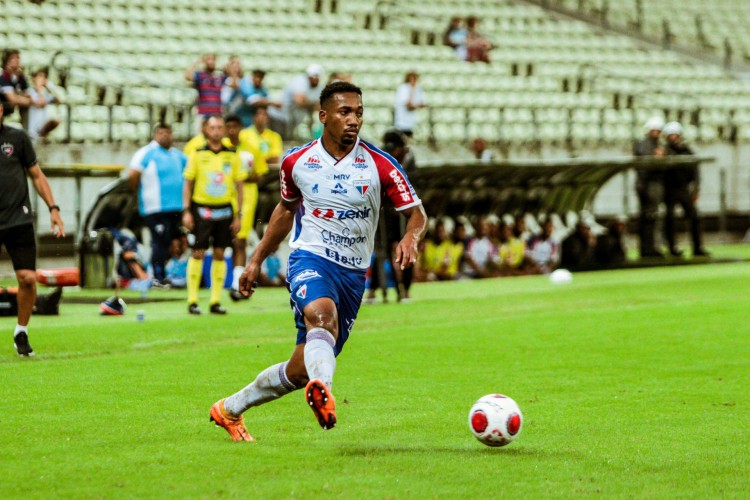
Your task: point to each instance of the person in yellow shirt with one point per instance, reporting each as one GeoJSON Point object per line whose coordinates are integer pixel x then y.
{"type": "Point", "coordinates": [266, 147]}
{"type": "Point", "coordinates": [197, 142]}
{"type": "Point", "coordinates": [213, 186]}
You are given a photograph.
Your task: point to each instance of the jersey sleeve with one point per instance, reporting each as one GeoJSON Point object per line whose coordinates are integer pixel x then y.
{"type": "Point", "coordinates": [289, 190]}
{"type": "Point", "coordinates": [189, 172]}
{"type": "Point", "coordinates": [136, 162]}
{"type": "Point", "coordinates": [28, 156]}
{"type": "Point", "coordinates": [396, 186]}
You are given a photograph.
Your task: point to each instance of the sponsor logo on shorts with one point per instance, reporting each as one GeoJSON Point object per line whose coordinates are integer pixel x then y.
{"type": "Point", "coordinates": [306, 275]}
{"type": "Point", "coordinates": [302, 292]}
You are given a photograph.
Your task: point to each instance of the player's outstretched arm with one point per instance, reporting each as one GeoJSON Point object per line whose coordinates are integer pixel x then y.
{"type": "Point", "coordinates": [282, 220]}
{"type": "Point", "coordinates": [416, 227]}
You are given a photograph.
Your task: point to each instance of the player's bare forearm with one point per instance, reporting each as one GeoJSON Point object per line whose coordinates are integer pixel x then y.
{"type": "Point", "coordinates": [238, 186]}
{"type": "Point", "coordinates": [416, 227]}
{"type": "Point", "coordinates": [41, 185]}
{"type": "Point", "coordinates": [281, 222]}
{"type": "Point", "coordinates": [279, 226]}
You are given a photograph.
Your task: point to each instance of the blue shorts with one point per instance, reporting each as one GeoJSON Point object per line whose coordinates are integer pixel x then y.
{"type": "Point", "coordinates": [311, 277]}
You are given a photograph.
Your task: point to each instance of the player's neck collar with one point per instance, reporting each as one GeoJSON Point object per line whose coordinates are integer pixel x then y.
{"type": "Point", "coordinates": [337, 160]}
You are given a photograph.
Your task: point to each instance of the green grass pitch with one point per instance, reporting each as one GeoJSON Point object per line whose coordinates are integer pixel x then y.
{"type": "Point", "coordinates": [632, 383]}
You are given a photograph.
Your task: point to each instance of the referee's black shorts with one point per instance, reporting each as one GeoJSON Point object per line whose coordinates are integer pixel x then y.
{"type": "Point", "coordinates": [213, 226]}
{"type": "Point", "coordinates": [20, 242]}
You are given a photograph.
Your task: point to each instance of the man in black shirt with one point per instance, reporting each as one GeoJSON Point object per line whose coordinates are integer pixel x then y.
{"type": "Point", "coordinates": [649, 186]}
{"type": "Point", "coordinates": [681, 185]}
{"type": "Point", "coordinates": [17, 160]}
{"type": "Point", "coordinates": [13, 85]}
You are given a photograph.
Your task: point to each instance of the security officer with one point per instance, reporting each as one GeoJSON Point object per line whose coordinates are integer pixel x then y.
{"type": "Point", "coordinates": [649, 186]}
{"type": "Point", "coordinates": [681, 187]}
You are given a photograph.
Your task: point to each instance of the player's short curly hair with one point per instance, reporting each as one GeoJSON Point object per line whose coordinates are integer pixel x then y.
{"type": "Point", "coordinates": [338, 87]}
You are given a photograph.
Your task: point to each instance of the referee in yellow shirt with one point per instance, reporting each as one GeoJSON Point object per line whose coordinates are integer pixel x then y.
{"type": "Point", "coordinates": [213, 183]}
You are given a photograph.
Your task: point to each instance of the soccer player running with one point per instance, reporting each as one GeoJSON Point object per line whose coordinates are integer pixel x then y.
{"type": "Point", "coordinates": [213, 182]}
{"type": "Point", "coordinates": [331, 191]}
{"type": "Point", "coordinates": [17, 159]}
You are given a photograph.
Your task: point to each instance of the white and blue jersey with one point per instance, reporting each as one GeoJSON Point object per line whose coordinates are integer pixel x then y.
{"type": "Point", "coordinates": [334, 227]}
{"type": "Point", "coordinates": [160, 188]}
{"type": "Point", "coordinates": [340, 199]}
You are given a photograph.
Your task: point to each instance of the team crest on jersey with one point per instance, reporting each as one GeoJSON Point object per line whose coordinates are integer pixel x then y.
{"type": "Point", "coordinates": [359, 161]}
{"type": "Point", "coordinates": [362, 185]}
{"type": "Point", "coordinates": [7, 149]}
{"type": "Point", "coordinates": [313, 162]}
{"type": "Point", "coordinates": [302, 292]}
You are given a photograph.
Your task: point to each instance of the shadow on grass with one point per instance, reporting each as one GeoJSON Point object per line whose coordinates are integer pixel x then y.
{"type": "Point", "coordinates": [467, 450]}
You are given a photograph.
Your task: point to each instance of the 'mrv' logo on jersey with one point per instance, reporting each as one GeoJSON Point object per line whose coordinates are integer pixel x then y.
{"type": "Point", "coordinates": [327, 213]}
{"type": "Point", "coordinates": [359, 161]}
{"type": "Point", "coordinates": [400, 185]}
{"type": "Point", "coordinates": [313, 162]}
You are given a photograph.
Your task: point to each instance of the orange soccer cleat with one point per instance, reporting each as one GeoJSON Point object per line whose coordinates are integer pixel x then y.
{"type": "Point", "coordinates": [235, 426]}
{"type": "Point", "coordinates": [323, 404]}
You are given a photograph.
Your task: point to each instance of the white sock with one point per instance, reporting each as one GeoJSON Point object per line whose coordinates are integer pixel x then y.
{"type": "Point", "coordinates": [236, 273]}
{"type": "Point", "coordinates": [20, 329]}
{"type": "Point", "coordinates": [270, 384]}
{"type": "Point", "coordinates": [320, 359]}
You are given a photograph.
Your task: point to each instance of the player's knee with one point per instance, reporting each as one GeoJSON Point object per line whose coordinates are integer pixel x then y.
{"type": "Point", "coordinates": [326, 320]}
{"type": "Point", "coordinates": [218, 254]}
{"type": "Point", "coordinates": [198, 254]}
{"type": "Point", "coordinates": [26, 279]}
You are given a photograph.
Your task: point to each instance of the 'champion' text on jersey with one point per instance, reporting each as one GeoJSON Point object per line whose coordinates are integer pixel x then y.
{"type": "Point", "coordinates": [340, 199]}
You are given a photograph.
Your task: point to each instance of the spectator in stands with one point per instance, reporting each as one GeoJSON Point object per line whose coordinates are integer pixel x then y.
{"type": "Point", "coordinates": [14, 87]}
{"type": "Point", "coordinates": [681, 187]}
{"type": "Point", "coordinates": [208, 82]}
{"type": "Point", "coordinates": [213, 187]}
{"type": "Point", "coordinates": [409, 98]}
{"type": "Point", "coordinates": [441, 256]}
{"type": "Point", "coordinates": [481, 150]}
{"type": "Point", "coordinates": [610, 247]}
{"type": "Point", "coordinates": [42, 93]}
{"type": "Point", "coordinates": [649, 187]}
{"type": "Point", "coordinates": [543, 250]}
{"type": "Point", "coordinates": [232, 98]}
{"type": "Point", "coordinates": [155, 173]}
{"type": "Point", "coordinates": [299, 99]}
{"type": "Point", "coordinates": [255, 95]}
{"type": "Point", "coordinates": [577, 249]}
{"type": "Point", "coordinates": [478, 46]}
{"type": "Point", "coordinates": [481, 257]}
{"type": "Point", "coordinates": [455, 37]}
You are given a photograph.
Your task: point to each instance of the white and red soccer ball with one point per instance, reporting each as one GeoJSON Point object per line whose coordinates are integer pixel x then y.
{"type": "Point", "coordinates": [495, 420]}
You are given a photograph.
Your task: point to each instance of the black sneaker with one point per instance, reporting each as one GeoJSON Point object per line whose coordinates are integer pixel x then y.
{"type": "Point", "coordinates": [217, 309]}
{"type": "Point", "coordinates": [21, 343]}
{"type": "Point", "coordinates": [237, 296]}
{"type": "Point", "coordinates": [194, 309]}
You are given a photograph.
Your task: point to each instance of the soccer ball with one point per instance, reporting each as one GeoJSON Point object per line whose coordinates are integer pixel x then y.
{"type": "Point", "coordinates": [495, 420]}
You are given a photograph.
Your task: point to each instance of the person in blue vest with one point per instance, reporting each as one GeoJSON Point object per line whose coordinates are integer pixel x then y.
{"type": "Point", "coordinates": [155, 172]}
